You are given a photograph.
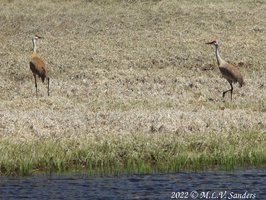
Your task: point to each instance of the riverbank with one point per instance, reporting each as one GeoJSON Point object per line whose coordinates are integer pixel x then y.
{"type": "Point", "coordinates": [136, 153]}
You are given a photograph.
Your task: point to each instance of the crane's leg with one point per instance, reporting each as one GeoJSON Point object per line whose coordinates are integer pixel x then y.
{"type": "Point", "coordinates": [48, 80]}
{"type": "Point", "coordinates": [35, 83]}
{"type": "Point", "coordinates": [231, 90]}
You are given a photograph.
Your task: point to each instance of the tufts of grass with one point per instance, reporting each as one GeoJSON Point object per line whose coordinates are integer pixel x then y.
{"type": "Point", "coordinates": [136, 153]}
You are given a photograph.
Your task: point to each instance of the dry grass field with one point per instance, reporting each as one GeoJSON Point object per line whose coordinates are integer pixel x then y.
{"type": "Point", "coordinates": [124, 67]}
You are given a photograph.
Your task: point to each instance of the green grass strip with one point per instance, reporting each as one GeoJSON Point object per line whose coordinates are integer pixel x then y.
{"type": "Point", "coordinates": [133, 153]}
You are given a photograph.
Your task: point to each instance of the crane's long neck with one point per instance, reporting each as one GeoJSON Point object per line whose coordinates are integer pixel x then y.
{"type": "Point", "coordinates": [217, 53]}
{"type": "Point", "coordinates": [34, 45]}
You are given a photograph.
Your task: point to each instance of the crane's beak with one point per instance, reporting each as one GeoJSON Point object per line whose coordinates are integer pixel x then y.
{"type": "Point", "coordinates": [39, 37]}
{"type": "Point", "coordinates": [210, 42]}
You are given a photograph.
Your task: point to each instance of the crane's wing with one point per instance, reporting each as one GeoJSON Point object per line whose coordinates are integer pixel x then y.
{"type": "Point", "coordinates": [38, 67]}
{"type": "Point", "coordinates": [231, 73]}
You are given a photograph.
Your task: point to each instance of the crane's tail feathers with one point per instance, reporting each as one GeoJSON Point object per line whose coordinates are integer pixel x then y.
{"type": "Point", "coordinates": [241, 82]}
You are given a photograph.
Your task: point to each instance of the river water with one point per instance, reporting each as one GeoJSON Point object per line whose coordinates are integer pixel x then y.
{"type": "Point", "coordinates": [238, 184]}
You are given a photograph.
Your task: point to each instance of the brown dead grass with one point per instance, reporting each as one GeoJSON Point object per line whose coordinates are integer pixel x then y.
{"type": "Point", "coordinates": [131, 67]}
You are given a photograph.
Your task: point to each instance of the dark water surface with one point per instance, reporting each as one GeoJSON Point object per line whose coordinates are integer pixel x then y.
{"type": "Point", "coordinates": [239, 184]}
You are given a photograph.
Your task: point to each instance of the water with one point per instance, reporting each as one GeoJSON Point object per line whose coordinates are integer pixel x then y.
{"type": "Point", "coordinates": [184, 185]}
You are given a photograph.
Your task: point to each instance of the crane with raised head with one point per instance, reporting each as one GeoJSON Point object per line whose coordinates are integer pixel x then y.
{"type": "Point", "coordinates": [229, 71]}
{"type": "Point", "coordinates": [37, 65]}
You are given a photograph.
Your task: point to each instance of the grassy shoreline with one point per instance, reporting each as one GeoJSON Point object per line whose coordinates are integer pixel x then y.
{"type": "Point", "coordinates": [136, 153]}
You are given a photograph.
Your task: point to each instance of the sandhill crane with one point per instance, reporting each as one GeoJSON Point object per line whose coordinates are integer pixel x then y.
{"type": "Point", "coordinates": [37, 65]}
{"type": "Point", "coordinates": [230, 72]}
